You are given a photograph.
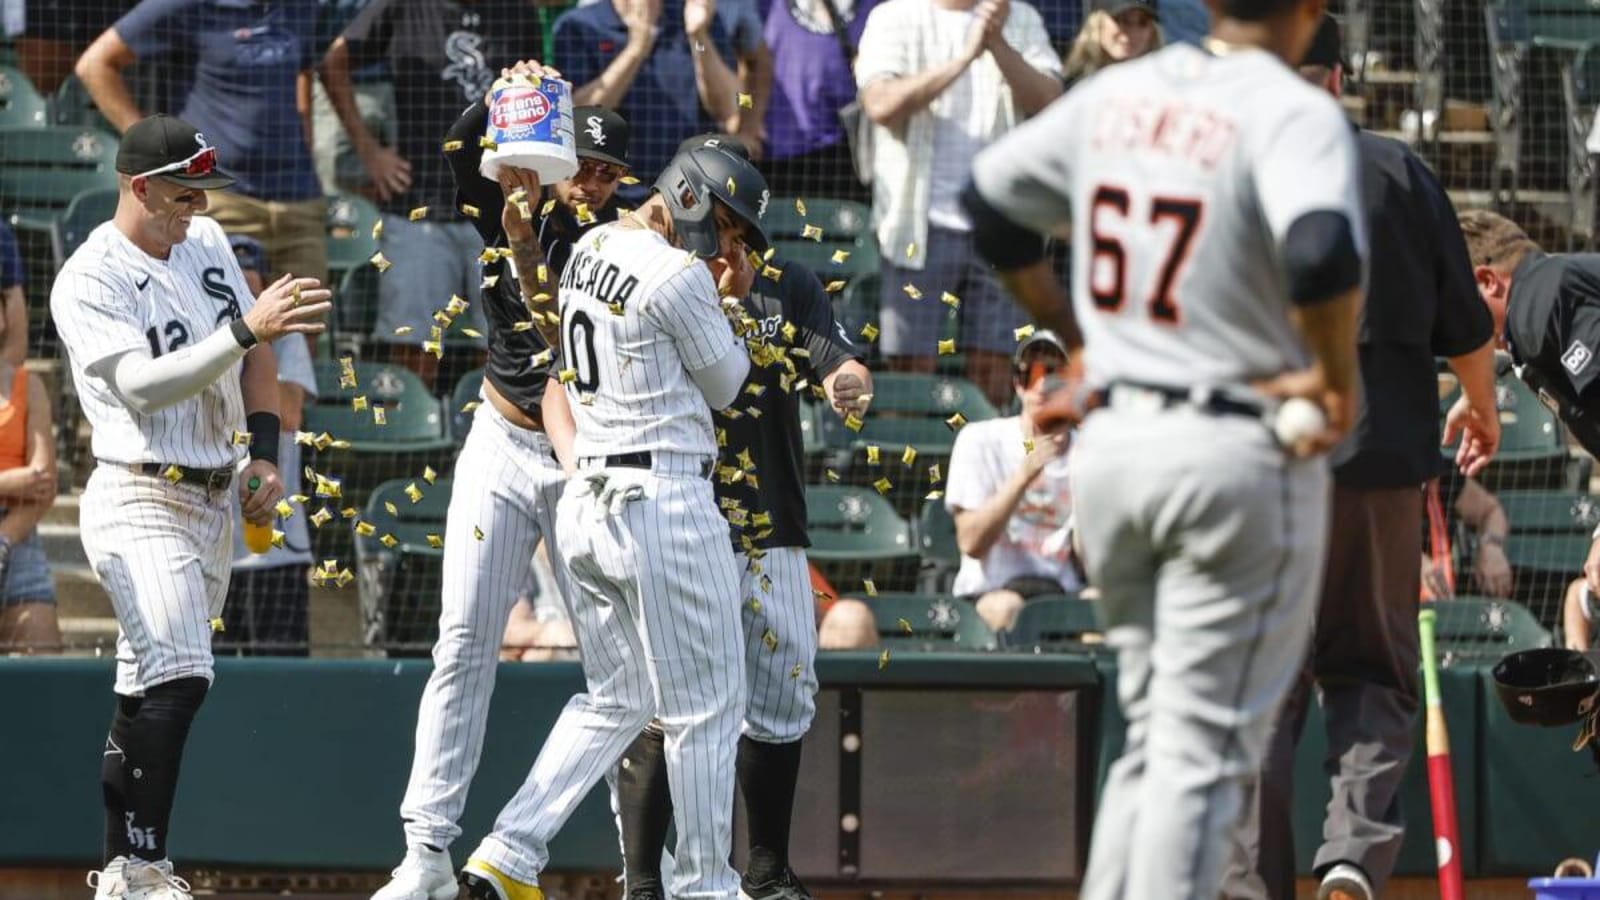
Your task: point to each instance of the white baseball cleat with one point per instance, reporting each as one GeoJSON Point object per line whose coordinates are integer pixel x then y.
{"type": "Point", "coordinates": [423, 875]}
{"type": "Point", "coordinates": [108, 883]}
{"type": "Point", "coordinates": [1345, 881]}
{"type": "Point", "coordinates": [154, 881]}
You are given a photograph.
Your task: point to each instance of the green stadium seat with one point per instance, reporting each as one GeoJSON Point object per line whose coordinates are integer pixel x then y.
{"type": "Point", "coordinates": [1053, 622]}
{"type": "Point", "coordinates": [1533, 452]}
{"type": "Point", "coordinates": [355, 308]}
{"type": "Point", "coordinates": [466, 391]}
{"type": "Point", "coordinates": [914, 408]}
{"type": "Point", "coordinates": [72, 105]}
{"type": "Point", "coordinates": [399, 585]}
{"type": "Point", "coordinates": [1483, 627]}
{"type": "Point", "coordinates": [909, 621]}
{"type": "Point", "coordinates": [857, 535]}
{"type": "Point", "coordinates": [350, 241]}
{"type": "Point", "coordinates": [845, 226]}
{"type": "Point", "coordinates": [1542, 565]}
{"type": "Point", "coordinates": [413, 420]}
{"type": "Point", "coordinates": [1550, 512]}
{"type": "Point", "coordinates": [936, 538]}
{"type": "Point", "coordinates": [21, 104]}
{"type": "Point", "coordinates": [85, 213]}
{"type": "Point", "coordinates": [46, 167]}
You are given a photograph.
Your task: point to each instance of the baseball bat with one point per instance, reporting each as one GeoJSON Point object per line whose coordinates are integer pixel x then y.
{"type": "Point", "coordinates": [1441, 785]}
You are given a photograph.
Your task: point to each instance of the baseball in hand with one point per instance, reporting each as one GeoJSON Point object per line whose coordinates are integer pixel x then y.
{"type": "Point", "coordinates": [1298, 420]}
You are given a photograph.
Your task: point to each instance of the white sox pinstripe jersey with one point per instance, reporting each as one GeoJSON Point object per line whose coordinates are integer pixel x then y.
{"type": "Point", "coordinates": [655, 602]}
{"type": "Point", "coordinates": [111, 297]}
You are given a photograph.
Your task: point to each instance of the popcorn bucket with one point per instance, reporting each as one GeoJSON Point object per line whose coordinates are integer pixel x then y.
{"type": "Point", "coordinates": [530, 127]}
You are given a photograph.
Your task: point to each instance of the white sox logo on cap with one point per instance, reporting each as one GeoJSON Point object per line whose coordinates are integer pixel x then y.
{"type": "Point", "coordinates": [595, 131]}
{"type": "Point", "coordinates": [761, 212]}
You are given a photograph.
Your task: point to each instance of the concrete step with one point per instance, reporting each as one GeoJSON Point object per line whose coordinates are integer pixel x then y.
{"type": "Point", "coordinates": [65, 510]}
{"type": "Point", "coordinates": [78, 593]}
{"type": "Point", "coordinates": [62, 545]}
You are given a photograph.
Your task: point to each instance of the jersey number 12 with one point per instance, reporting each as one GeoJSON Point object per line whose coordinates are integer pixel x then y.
{"type": "Point", "coordinates": [1108, 261]}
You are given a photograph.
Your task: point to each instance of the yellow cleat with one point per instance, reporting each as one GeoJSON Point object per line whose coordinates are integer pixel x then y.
{"type": "Point", "coordinates": [485, 882]}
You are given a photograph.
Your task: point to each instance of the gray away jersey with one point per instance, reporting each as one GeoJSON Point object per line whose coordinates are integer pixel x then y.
{"type": "Point", "coordinates": [637, 315]}
{"type": "Point", "coordinates": [112, 298]}
{"type": "Point", "coordinates": [1180, 174]}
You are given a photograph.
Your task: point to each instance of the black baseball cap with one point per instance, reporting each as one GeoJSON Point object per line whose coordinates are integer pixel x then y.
{"type": "Point", "coordinates": [1115, 7]}
{"type": "Point", "coordinates": [602, 134]}
{"type": "Point", "coordinates": [166, 146]}
{"type": "Point", "coordinates": [1326, 49]}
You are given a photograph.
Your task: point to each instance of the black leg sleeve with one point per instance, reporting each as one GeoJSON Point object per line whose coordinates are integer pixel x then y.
{"type": "Point", "coordinates": [113, 778]}
{"type": "Point", "coordinates": [644, 801]}
{"type": "Point", "coordinates": [152, 754]}
{"type": "Point", "coordinates": [768, 776]}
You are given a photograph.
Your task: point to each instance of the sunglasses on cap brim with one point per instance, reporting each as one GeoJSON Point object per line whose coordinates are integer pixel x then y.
{"type": "Point", "coordinates": [203, 162]}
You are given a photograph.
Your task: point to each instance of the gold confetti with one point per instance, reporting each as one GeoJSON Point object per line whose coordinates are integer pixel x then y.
{"type": "Point", "coordinates": [216, 625]}
{"type": "Point", "coordinates": [338, 445]}
{"type": "Point", "coordinates": [746, 102]}
{"type": "Point", "coordinates": [428, 474]}
{"type": "Point", "coordinates": [349, 512]}
{"type": "Point", "coordinates": [358, 402]}
{"type": "Point", "coordinates": [488, 256]}
{"type": "Point", "coordinates": [241, 438]}
{"type": "Point", "coordinates": [911, 250]}
{"type": "Point", "coordinates": [761, 520]}
{"type": "Point", "coordinates": [329, 487]}
{"type": "Point", "coordinates": [870, 587]}
{"type": "Point", "coordinates": [934, 495]}
{"type": "Point", "coordinates": [522, 326]}
{"type": "Point", "coordinates": [543, 357]}
{"type": "Point", "coordinates": [839, 256]}
{"type": "Point", "coordinates": [173, 474]}
{"type": "Point", "coordinates": [489, 281]}
{"type": "Point", "coordinates": [629, 179]}
{"type": "Point", "coordinates": [403, 330]}
{"type": "Point", "coordinates": [956, 421]}
{"type": "Point", "coordinates": [950, 300]}
{"type": "Point", "coordinates": [911, 291]}
{"type": "Point", "coordinates": [379, 262]}
{"type": "Point", "coordinates": [905, 624]}
{"type": "Point", "coordinates": [831, 475]}
{"type": "Point", "coordinates": [457, 305]}
{"type": "Point", "coordinates": [472, 333]}
{"type": "Point", "coordinates": [321, 517]}
{"type": "Point", "coordinates": [380, 416]}
{"type": "Point", "coordinates": [770, 640]}
{"type": "Point", "coordinates": [947, 347]}
{"type": "Point", "coordinates": [377, 229]}
{"type": "Point", "coordinates": [477, 532]}
{"type": "Point", "coordinates": [909, 456]}
{"type": "Point", "coordinates": [934, 476]}
{"type": "Point", "coordinates": [853, 422]}
{"type": "Point", "coordinates": [567, 376]}
{"type": "Point", "coordinates": [470, 406]}
{"type": "Point", "coordinates": [869, 331]}
{"type": "Point", "coordinates": [834, 287]}
{"type": "Point", "coordinates": [389, 541]}
{"type": "Point", "coordinates": [732, 188]}
{"type": "Point", "coordinates": [283, 509]}
{"type": "Point", "coordinates": [583, 215]}
{"type": "Point", "coordinates": [872, 454]}
{"type": "Point", "coordinates": [772, 272]}
{"type": "Point", "coordinates": [614, 308]}
{"type": "Point", "coordinates": [488, 143]}
{"type": "Point", "coordinates": [1023, 333]}
{"type": "Point", "coordinates": [433, 347]}
{"type": "Point", "coordinates": [800, 207]}
{"type": "Point", "coordinates": [452, 146]}
{"type": "Point", "coordinates": [548, 207]}
{"type": "Point", "coordinates": [444, 320]}
{"type": "Point", "coordinates": [277, 538]}
{"type": "Point", "coordinates": [883, 486]}
{"type": "Point", "coordinates": [344, 577]}
{"type": "Point", "coordinates": [418, 214]}
{"type": "Point", "coordinates": [391, 509]}
{"type": "Point", "coordinates": [811, 233]}
{"type": "Point", "coordinates": [1027, 445]}
{"type": "Point", "coordinates": [795, 672]}
{"type": "Point", "coordinates": [366, 529]}
{"type": "Point", "coordinates": [435, 542]}
{"type": "Point", "coordinates": [299, 498]}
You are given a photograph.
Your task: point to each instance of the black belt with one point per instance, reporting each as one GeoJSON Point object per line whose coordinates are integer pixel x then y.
{"type": "Point", "coordinates": [1204, 399]}
{"type": "Point", "coordinates": [210, 479]}
{"type": "Point", "coordinates": [641, 459]}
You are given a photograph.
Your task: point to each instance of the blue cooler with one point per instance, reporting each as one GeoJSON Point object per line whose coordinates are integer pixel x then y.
{"type": "Point", "coordinates": [1566, 888]}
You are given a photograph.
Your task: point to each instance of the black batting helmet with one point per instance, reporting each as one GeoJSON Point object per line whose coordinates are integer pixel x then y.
{"type": "Point", "coordinates": [700, 175]}
{"type": "Point", "coordinates": [1547, 686]}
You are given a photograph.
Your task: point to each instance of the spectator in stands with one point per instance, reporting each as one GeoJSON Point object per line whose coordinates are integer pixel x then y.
{"type": "Point", "coordinates": [940, 79]}
{"type": "Point", "coordinates": [27, 491]}
{"type": "Point", "coordinates": [1012, 505]}
{"type": "Point", "coordinates": [662, 64]}
{"type": "Point", "coordinates": [55, 32]}
{"type": "Point", "coordinates": [743, 22]}
{"type": "Point", "coordinates": [1364, 654]}
{"type": "Point", "coordinates": [1459, 498]}
{"type": "Point", "coordinates": [808, 152]}
{"type": "Point", "coordinates": [269, 596]}
{"type": "Point", "coordinates": [339, 167]}
{"type": "Point", "coordinates": [1578, 613]}
{"type": "Point", "coordinates": [539, 630]}
{"type": "Point", "coordinates": [1114, 31]}
{"type": "Point", "coordinates": [13, 302]}
{"type": "Point", "coordinates": [445, 56]}
{"type": "Point", "coordinates": [848, 625]}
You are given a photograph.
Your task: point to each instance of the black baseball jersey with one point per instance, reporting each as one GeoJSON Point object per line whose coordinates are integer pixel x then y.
{"type": "Point", "coordinates": [1553, 332]}
{"type": "Point", "coordinates": [512, 348]}
{"type": "Point", "coordinates": [760, 433]}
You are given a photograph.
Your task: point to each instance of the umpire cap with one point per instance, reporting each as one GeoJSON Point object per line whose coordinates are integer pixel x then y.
{"type": "Point", "coordinates": [700, 175]}
{"type": "Point", "coordinates": [1547, 686]}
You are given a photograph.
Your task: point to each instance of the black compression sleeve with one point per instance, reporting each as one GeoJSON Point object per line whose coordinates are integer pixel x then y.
{"type": "Point", "coordinates": [999, 240]}
{"type": "Point", "coordinates": [263, 427]}
{"type": "Point", "coordinates": [1320, 257]}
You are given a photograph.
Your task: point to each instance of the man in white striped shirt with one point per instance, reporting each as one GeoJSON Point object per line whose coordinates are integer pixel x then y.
{"type": "Point", "coordinates": [171, 361]}
{"type": "Point", "coordinates": [649, 353]}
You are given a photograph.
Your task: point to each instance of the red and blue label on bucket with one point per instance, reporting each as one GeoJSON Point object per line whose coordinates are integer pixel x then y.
{"type": "Point", "coordinates": [530, 125]}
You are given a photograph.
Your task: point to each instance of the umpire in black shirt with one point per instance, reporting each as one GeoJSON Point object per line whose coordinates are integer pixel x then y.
{"type": "Point", "coordinates": [1420, 304]}
{"type": "Point", "coordinates": [1546, 310]}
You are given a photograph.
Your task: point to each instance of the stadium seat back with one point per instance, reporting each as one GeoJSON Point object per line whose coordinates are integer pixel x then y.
{"type": "Point", "coordinates": [463, 394]}
{"type": "Point", "coordinates": [412, 419]}
{"type": "Point", "coordinates": [929, 622]}
{"type": "Point", "coordinates": [87, 211]}
{"type": "Point", "coordinates": [1053, 622]}
{"type": "Point", "coordinates": [45, 168]}
{"type": "Point", "coordinates": [1484, 626]}
{"type": "Point", "coordinates": [21, 104]}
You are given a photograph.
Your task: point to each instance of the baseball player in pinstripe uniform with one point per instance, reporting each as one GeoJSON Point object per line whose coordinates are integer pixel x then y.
{"type": "Point", "coordinates": [768, 519]}
{"type": "Point", "coordinates": [169, 354]}
{"type": "Point", "coordinates": [648, 353]}
{"type": "Point", "coordinates": [1219, 248]}
{"type": "Point", "coordinates": [507, 477]}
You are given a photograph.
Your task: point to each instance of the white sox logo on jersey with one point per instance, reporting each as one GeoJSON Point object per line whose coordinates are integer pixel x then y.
{"type": "Point", "coordinates": [221, 291]}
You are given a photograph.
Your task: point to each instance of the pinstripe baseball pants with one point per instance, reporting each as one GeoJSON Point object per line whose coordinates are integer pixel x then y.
{"type": "Point", "coordinates": [163, 553]}
{"type": "Point", "coordinates": [506, 483]}
{"type": "Point", "coordinates": [656, 612]}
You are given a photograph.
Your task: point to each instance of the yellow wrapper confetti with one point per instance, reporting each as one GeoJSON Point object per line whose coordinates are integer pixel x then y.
{"type": "Point", "coordinates": [436, 542]}
{"type": "Point", "coordinates": [349, 512]}
{"type": "Point", "coordinates": [489, 281]}
{"type": "Point", "coordinates": [380, 416]}
{"type": "Point", "coordinates": [911, 250]}
{"type": "Point", "coordinates": [905, 625]}
{"type": "Point", "coordinates": [488, 256]}
{"type": "Point", "coordinates": [523, 326]}
{"type": "Point", "coordinates": [339, 445]}
{"type": "Point", "coordinates": [583, 215]}
{"type": "Point", "coordinates": [358, 402]}
{"type": "Point", "coordinates": [870, 586]}
{"type": "Point", "coordinates": [950, 300]}
{"type": "Point", "coordinates": [457, 305]}
{"type": "Point", "coordinates": [947, 347]}
{"type": "Point", "coordinates": [543, 357]}
{"type": "Point", "coordinates": [614, 308]}
{"type": "Point", "coordinates": [428, 474]}
{"type": "Point", "coordinates": [277, 538]}
{"type": "Point", "coordinates": [477, 532]}
{"type": "Point", "coordinates": [1023, 333]}
{"type": "Point", "coordinates": [934, 495]}
{"type": "Point", "coordinates": [872, 454]}
{"type": "Point", "coordinates": [1027, 445]}
{"type": "Point", "coordinates": [344, 577]}
{"type": "Point", "coordinates": [761, 520]}
{"type": "Point", "coordinates": [403, 330]}
{"type": "Point", "coordinates": [755, 605]}
{"type": "Point", "coordinates": [413, 493]}
{"type": "Point", "coordinates": [746, 102]}
{"type": "Point", "coordinates": [472, 333]}
{"type": "Point", "coordinates": [418, 214]}
{"type": "Point", "coordinates": [789, 331]}
{"type": "Point", "coordinates": [391, 509]}
{"type": "Point", "coordinates": [241, 438]}
{"type": "Point", "coordinates": [379, 262]}
{"type": "Point", "coordinates": [321, 517]}
{"type": "Point", "coordinates": [839, 256]}
{"type": "Point", "coordinates": [172, 474]}
{"type": "Point", "coordinates": [366, 529]}
{"type": "Point", "coordinates": [869, 331]}
{"type": "Point", "coordinates": [732, 187]}
{"type": "Point", "coordinates": [800, 207]}
{"type": "Point", "coordinates": [908, 456]}
{"type": "Point", "coordinates": [934, 475]}
{"type": "Point", "coordinates": [956, 421]}
{"type": "Point", "coordinates": [388, 540]}
{"type": "Point", "coordinates": [283, 509]}
{"type": "Point", "coordinates": [216, 625]}
{"type": "Point", "coordinates": [795, 672]}
{"type": "Point", "coordinates": [433, 347]}
{"type": "Point", "coordinates": [488, 143]}
{"type": "Point", "coordinates": [883, 486]}
{"type": "Point", "coordinates": [567, 376]}
{"type": "Point", "coordinates": [853, 422]}
{"type": "Point", "coordinates": [834, 287]}
{"type": "Point", "coordinates": [377, 229]}
{"type": "Point", "coordinates": [548, 207]}
{"type": "Point", "coordinates": [832, 476]}
{"type": "Point", "coordinates": [629, 179]}
{"type": "Point", "coordinates": [452, 146]}
{"type": "Point", "coordinates": [911, 291]}
{"type": "Point", "coordinates": [770, 640]}
{"type": "Point", "coordinates": [811, 233]}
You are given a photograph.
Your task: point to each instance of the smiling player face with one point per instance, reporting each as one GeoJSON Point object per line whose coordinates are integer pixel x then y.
{"type": "Point", "coordinates": [169, 208]}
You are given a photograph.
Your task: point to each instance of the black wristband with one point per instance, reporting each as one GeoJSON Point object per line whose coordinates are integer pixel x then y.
{"type": "Point", "coordinates": [243, 334]}
{"type": "Point", "coordinates": [263, 436]}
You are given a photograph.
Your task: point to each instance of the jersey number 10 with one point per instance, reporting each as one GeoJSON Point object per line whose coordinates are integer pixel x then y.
{"type": "Point", "coordinates": [1108, 261]}
{"type": "Point", "coordinates": [577, 334]}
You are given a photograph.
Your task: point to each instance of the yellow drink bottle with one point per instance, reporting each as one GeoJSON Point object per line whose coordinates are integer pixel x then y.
{"type": "Point", "coordinates": [257, 538]}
